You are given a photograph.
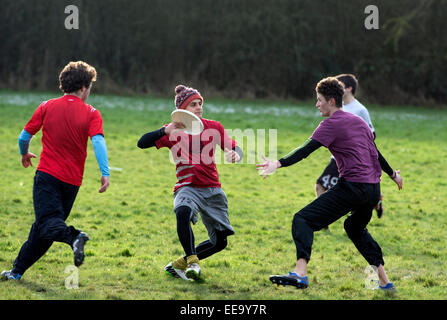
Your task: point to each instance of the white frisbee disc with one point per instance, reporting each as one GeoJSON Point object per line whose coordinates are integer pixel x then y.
{"type": "Point", "coordinates": [192, 122]}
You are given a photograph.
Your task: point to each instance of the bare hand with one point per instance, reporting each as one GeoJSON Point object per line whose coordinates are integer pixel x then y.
{"type": "Point", "coordinates": [398, 179]}
{"type": "Point", "coordinates": [231, 156]}
{"type": "Point", "coordinates": [173, 126]}
{"type": "Point", "coordinates": [26, 159]}
{"type": "Point", "coordinates": [104, 184]}
{"type": "Point", "coordinates": [268, 167]}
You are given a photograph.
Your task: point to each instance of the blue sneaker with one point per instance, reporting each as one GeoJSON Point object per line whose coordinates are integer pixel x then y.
{"type": "Point", "coordinates": [291, 279]}
{"type": "Point", "coordinates": [9, 275]}
{"type": "Point", "coordinates": [389, 287]}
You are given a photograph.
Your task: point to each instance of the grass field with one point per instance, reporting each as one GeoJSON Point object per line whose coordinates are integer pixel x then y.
{"type": "Point", "coordinates": [132, 225]}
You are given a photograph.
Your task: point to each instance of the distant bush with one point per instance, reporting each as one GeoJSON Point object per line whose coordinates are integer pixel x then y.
{"type": "Point", "coordinates": [259, 49]}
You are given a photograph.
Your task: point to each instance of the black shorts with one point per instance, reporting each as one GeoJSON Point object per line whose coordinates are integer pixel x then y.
{"type": "Point", "coordinates": [329, 177]}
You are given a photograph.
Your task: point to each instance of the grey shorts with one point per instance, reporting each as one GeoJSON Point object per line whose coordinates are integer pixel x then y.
{"type": "Point", "coordinates": [211, 203]}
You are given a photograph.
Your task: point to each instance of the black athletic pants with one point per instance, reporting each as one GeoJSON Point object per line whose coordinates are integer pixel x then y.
{"type": "Point", "coordinates": [53, 200]}
{"type": "Point", "coordinates": [344, 197]}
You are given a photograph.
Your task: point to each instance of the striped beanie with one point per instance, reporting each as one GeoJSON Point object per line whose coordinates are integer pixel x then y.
{"type": "Point", "coordinates": [184, 95]}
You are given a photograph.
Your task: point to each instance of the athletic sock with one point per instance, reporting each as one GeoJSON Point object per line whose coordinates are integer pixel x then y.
{"type": "Point", "coordinates": [180, 263]}
{"type": "Point", "coordinates": [192, 259]}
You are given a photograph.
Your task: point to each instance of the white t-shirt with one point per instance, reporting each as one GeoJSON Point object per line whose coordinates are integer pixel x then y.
{"type": "Point", "coordinates": [359, 109]}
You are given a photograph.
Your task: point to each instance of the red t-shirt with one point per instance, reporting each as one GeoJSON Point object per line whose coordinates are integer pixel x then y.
{"type": "Point", "coordinates": [194, 155]}
{"type": "Point", "coordinates": [66, 124]}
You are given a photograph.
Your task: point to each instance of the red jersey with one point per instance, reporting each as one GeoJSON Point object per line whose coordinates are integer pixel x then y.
{"type": "Point", "coordinates": [66, 124]}
{"type": "Point", "coordinates": [194, 155]}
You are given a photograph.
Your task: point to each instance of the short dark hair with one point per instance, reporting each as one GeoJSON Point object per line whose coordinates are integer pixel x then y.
{"type": "Point", "coordinates": [75, 75]}
{"type": "Point", "coordinates": [349, 80]}
{"type": "Point", "coordinates": [331, 88]}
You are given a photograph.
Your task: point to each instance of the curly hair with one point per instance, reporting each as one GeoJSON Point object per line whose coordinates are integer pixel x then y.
{"type": "Point", "coordinates": [331, 88]}
{"type": "Point", "coordinates": [75, 75]}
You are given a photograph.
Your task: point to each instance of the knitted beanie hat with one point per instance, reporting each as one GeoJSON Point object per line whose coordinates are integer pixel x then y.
{"type": "Point", "coordinates": [184, 95]}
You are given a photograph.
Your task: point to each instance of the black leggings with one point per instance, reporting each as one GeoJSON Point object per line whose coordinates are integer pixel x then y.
{"type": "Point", "coordinates": [186, 236]}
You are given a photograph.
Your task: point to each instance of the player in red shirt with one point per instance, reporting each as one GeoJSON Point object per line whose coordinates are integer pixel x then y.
{"type": "Point", "coordinates": [67, 123]}
{"type": "Point", "coordinates": [198, 188]}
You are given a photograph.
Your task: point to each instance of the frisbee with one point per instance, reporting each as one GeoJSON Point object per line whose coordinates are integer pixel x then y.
{"type": "Point", "coordinates": [192, 122]}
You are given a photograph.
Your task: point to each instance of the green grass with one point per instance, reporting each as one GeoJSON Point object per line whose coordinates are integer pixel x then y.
{"type": "Point", "coordinates": [132, 225]}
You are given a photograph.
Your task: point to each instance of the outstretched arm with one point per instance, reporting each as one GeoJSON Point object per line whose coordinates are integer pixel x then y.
{"type": "Point", "coordinates": [269, 167]}
{"type": "Point", "coordinates": [300, 153]}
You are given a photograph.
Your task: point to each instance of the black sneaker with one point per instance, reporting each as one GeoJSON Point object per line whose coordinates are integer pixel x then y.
{"type": "Point", "coordinates": [78, 248]}
{"type": "Point", "coordinates": [9, 275]}
{"type": "Point", "coordinates": [291, 279]}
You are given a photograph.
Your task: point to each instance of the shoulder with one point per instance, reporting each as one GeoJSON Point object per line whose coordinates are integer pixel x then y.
{"type": "Point", "coordinates": [207, 123]}
{"type": "Point", "coordinates": [93, 111]}
{"type": "Point", "coordinates": [360, 106]}
{"type": "Point", "coordinates": [341, 118]}
{"type": "Point", "coordinates": [49, 102]}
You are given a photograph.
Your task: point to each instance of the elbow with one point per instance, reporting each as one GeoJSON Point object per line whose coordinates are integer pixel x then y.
{"type": "Point", "coordinates": [143, 144]}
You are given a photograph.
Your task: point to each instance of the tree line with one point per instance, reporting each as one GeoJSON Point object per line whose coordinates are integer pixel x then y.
{"type": "Point", "coordinates": [233, 48]}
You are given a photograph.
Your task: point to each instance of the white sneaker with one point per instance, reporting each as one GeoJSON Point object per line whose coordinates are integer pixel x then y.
{"type": "Point", "coordinates": [193, 271]}
{"type": "Point", "coordinates": [176, 273]}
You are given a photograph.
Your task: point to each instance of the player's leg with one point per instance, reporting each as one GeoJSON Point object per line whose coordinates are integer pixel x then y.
{"type": "Point", "coordinates": [184, 230]}
{"type": "Point", "coordinates": [214, 212]}
{"type": "Point", "coordinates": [178, 267]}
{"type": "Point", "coordinates": [31, 251]}
{"type": "Point", "coordinates": [213, 206]}
{"type": "Point", "coordinates": [209, 247]}
{"type": "Point", "coordinates": [321, 212]}
{"type": "Point", "coordinates": [327, 180]}
{"type": "Point", "coordinates": [49, 225]}
{"type": "Point", "coordinates": [379, 207]}
{"type": "Point", "coordinates": [69, 193]}
{"type": "Point", "coordinates": [355, 226]}
{"type": "Point", "coordinates": [185, 234]}
{"type": "Point", "coordinates": [318, 214]}
{"type": "Point", "coordinates": [319, 189]}
{"type": "Point", "coordinates": [185, 209]}
{"type": "Point", "coordinates": [49, 199]}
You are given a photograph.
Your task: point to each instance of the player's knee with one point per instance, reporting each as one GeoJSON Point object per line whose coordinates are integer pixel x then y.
{"type": "Point", "coordinates": [183, 213]}
{"type": "Point", "coordinates": [221, 242]}
{"type": "Point", "coordinates": [298, 224]}
{"type": "Point", "coordinates": [350, 229]}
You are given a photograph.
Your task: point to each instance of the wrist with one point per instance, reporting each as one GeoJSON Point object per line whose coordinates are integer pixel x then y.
{"type": "Point", "coordinates": [278, 164]}
{"type": "Point", "coordinates": [164, 131]}
{"type": "Point", "coordinates": [393, 176]}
